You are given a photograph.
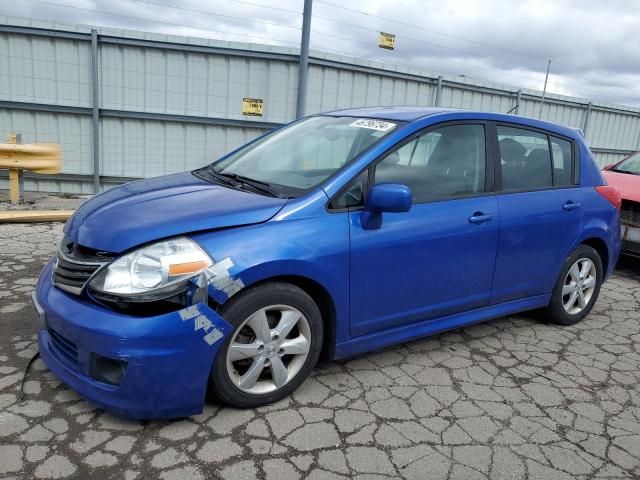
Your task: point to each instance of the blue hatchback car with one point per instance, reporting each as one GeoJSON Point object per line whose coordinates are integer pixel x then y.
{"type": "Point", "coordinates": [339, 233]}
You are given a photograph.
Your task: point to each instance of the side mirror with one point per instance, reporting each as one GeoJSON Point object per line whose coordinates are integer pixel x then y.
{"type": "Point", "coordinates": [384, 197]}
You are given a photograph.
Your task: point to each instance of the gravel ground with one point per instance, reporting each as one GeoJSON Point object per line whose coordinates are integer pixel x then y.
{"type": "Point", "coordinates": [42, 201]}
{"type": "Point", "coordinates": [513, 398]}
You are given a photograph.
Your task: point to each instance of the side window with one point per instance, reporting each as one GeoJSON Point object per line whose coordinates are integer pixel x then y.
{"type": "Point", "coordinates": [562, 161]}
{"type": "Point", "coordinates": [442, 163]}
{"type": "Point", "coordinates": [353, 196]}
{"type": "Point", "coordinates": [525, 159]}
{"type": "Point", "coordinates": [405, 154]}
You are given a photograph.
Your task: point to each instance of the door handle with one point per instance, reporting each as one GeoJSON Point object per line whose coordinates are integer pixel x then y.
{"type": "Point", "coordinates": [571, 206]}
{"type": "Point", "coordinates": [480, 217]}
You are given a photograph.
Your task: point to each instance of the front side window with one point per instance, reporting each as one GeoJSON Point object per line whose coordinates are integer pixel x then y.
{"type": "Point", "coordinates": [443, 163]}
{"type": "Point", "coordinates": [354, 195]}
{"type": "Point", "coordinates": [525, 159]}
{"type": "Point", "coordinates": [301, 156]}
{"type": "Point", "coordinates": [630, 165]}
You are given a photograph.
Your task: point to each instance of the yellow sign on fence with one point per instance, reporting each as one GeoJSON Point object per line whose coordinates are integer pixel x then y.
{"type": "Point", "coordinates": [252, 107]}
{"type": "Point", "coordinates": [387, 40]}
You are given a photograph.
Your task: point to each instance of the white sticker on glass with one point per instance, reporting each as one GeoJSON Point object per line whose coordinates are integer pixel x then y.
{"type": "Point", "coordinates": [379, 125]}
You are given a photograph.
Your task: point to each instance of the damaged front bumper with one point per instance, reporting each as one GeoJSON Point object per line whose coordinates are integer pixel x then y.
{"type": "Point", "coordinates": [630, 239]}
{"type": "Point", "coordinates": [138, 367]}
{"type": "Point", "coordinates": [630, 227]}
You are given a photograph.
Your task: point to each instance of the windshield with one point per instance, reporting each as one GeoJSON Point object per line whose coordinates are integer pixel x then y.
{"type": "Point", "coordinates": [630, 165]}
{"type": "Point", "coordinates": [302, 155]}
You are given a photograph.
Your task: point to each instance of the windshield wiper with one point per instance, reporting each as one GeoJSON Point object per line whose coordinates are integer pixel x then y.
{"type": "Point", "coordinates": [625, 171]}
{"type": "Point", "coordinates": [222, 178]}
{"type": "Point", "coordinates": [258, 185]}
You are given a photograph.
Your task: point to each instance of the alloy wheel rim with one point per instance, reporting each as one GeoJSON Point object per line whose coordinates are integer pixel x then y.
{"type": "Point", "coordinates": [579, 285]}
{"type": "Point", "coordinates": [268, 349]}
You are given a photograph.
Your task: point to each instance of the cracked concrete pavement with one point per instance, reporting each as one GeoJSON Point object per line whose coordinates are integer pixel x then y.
{"type": "Point", "coordinates": [512, 398]}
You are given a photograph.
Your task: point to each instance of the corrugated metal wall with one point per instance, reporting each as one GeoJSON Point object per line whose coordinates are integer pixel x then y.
{"type": "Point", "coordinates": [170, 104]}
{"type": "Point", "coordinates": [147, 148]}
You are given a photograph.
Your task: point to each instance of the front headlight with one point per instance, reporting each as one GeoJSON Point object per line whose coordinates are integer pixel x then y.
{"type": "Point", "coordinates": [159, 268]}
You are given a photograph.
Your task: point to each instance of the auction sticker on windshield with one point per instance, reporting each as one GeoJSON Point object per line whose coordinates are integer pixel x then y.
{"type": "Point", "coordinates": [378, 125]}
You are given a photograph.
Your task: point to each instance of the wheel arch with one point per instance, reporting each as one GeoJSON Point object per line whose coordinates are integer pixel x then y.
{"type": "Point", "coordinates": [604, 241]}
{"type": "Point", "coordinates": [319, 294]}
{"type": "Point", "coordinates": [595, 238]}
{"type": "Point", "coordinates": [600, 246]}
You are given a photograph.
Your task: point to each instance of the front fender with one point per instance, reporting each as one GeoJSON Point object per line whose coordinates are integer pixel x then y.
{"type": "Point", "coordinates": [313, 248]}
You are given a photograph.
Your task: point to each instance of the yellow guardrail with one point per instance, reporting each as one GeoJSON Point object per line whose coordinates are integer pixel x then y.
{"type": "Point", "coordinates": [30, 216]}
{"type": "Point", "coordinates": [45, 158]}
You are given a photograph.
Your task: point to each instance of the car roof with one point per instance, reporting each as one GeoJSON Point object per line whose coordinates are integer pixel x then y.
{"type": "Point", "coordinates": [411, 114]}
{"type": "Point", "coordinates": [404, 114]}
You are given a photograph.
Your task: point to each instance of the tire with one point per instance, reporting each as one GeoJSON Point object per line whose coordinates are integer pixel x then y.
{"type": "Point", "coordinates": [235, 378]}
{"type": "Point", "coordinates": [557, 312]}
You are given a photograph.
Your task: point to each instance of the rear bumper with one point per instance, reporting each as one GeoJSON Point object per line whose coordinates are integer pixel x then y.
{"type": "Point", "coordinates": [168, 359]}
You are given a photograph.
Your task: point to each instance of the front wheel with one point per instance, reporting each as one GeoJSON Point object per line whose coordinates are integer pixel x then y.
{"type": "Point", "coordinates": [577, 287]}
{"type": "Point", "coordinates": [275, 342]}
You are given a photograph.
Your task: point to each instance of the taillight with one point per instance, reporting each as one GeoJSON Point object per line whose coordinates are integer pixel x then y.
{"type": "Point", "coordinates": [611, 194]}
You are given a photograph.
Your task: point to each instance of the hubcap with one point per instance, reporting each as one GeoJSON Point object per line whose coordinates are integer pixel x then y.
{"type": "Point", "coordinates": [579, 285]}
{"type": "Point", "coordinates": [268, 349]}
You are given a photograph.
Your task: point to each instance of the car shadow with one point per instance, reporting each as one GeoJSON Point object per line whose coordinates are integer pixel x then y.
{"type": "Point", "coordinates": [628, 265]}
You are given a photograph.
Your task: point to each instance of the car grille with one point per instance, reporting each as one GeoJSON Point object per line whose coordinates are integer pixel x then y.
{"type": "Point", "coordinates": [76, 264]}
{"type": "Point", "coordinates": [630, 213]}
{"type": "Point", "coordinates": [66, 349]}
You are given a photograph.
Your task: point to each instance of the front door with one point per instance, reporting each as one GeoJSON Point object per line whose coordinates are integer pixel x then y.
{"type": "Point", "coordinates": [438, 258]}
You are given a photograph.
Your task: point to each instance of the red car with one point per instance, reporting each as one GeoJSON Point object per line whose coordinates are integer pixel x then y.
{"type": "Point", "coordinates": [625, 176]}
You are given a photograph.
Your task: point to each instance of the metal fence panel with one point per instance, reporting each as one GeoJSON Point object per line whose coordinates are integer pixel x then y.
{"type": "Point", "coordinates": [147, 148]}
{"type": "Point", "coordinates": [611, 129]}
{"type": "Point", "coordinates": [462, 96]}
{"type": "Point", "coordinates": [333, 88]}
{"type": "Point", "coordinates": [570, 115]}
{"type": "Point", "coordinates": [44, 70]}
{"type": "Point", "coordinates": [192, 83]}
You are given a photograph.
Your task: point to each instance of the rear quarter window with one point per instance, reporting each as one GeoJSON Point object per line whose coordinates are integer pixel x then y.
{"type": "Point", "coordinates": [562, 153]}
{"type": "Point", "coordinates": [532, 160]}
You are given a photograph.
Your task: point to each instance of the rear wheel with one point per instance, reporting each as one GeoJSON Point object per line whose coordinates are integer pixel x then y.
{"type": "Point", "coordinates": [577, 287]}
{"type": "Point", "coordinates": [276, 341]}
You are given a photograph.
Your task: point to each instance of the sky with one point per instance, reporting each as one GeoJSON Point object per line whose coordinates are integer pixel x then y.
{"type": "Point", "coordinates": [593, 45]}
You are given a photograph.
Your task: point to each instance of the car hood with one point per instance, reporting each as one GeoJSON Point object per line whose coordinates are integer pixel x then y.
{"type": "Point", "coordinates": [627, 184]}
{"type": "Point", "coordinates": [147, 210]}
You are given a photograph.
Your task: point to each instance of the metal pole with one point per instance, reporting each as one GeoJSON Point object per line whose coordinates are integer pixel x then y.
{"type": "Point", "coordinates": [518, 100]}
{"type": "Point", "coordinates": [95, 111]}
{"type": "Point", "coordinates": [436, 101]}
{"type": "Point", "coordinates": [18, 139]}
{"type": "Point", "coordinates": [585, 124]}
{"type": "Point", "coordinates": [14, 175]}
{"type": "Point", "coordinates": [544, 90]}
{"type": "Point", "coordinates": [303, 67]}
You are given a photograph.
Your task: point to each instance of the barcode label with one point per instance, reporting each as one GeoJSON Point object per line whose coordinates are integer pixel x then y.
{"type": "Point", "coordinates": [379, 125]}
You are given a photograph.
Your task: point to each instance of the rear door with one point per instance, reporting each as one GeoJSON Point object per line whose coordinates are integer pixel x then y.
{"type": "Point", "coordinates": [438, 258]}
{"type": "Point", "coordinates": [540, 207]}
